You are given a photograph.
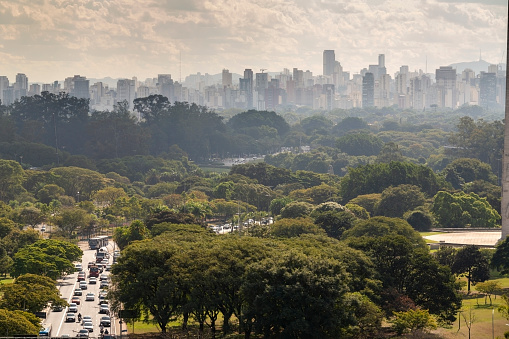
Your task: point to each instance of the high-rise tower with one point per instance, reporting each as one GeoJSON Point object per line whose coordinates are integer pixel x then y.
{"type": "Point", "coordinates": [329, 61]}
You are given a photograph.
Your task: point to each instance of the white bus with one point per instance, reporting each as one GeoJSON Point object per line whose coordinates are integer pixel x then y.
{"type": "Point", "coordinates": [98, 242]}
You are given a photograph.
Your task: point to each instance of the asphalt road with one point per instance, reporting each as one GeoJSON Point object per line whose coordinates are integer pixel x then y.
{"type": "Point", "coordinates": [91, 308]}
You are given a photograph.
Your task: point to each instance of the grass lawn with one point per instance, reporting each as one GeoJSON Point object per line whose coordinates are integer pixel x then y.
{"type": "Point", "coordinates": [482, 325]}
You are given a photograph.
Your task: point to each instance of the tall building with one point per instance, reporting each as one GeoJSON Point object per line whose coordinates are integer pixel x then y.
{"type": "Point", "coordinates": [488, 90]}
{"type": "Point", "coordinates": [126, 91]}
{"type": "Point", "coordinates": [20, 86]}
{"type": "Point", "coordinates": [4, 84]}
{"type": "Point", "coordinates": [262, 83]}
{"type": "Point", "coordinates": [246, 87]}
{"type": "Point", "coordinates": [446, 87]}
{"type": "Point", "coordinates": [329, 60]}
{"type": "Point", "coordinates": [34, 89]}
{"type": "Point", "coordinates": [226, 78]}
{"type": "Point", "coordinates": [81, 87]}
{"type": "Point", "coordinates": [368, 90]}
{"type": "Point", "coordinates": [165, 86]}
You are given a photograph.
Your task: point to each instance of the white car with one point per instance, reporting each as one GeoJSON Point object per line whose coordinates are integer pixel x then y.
{"type": "Point", "coordinates": [88, 326]}
{"type": "Point", "coordinates": [105, 321]}
{"type": "Point", "coordinates": [90, 297]}
{"type": "Point", "coordinates": [92, 280]}
{"type": "Point", "coordinates": [73, 307]}
{"type": "Point", "coordinates": [86, 319]}
{"type": "Point", "coordinates": [83, 285]}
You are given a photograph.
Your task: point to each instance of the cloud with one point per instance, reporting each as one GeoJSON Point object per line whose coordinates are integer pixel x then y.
{"type": "Point", "coordinates": [53, 39]}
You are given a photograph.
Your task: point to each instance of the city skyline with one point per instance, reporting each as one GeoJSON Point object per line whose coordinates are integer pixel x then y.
{"type": "Point", "coordinates": [49, 40]}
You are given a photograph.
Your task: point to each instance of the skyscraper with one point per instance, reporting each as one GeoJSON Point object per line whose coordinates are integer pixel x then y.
{"type": "Point", "coordinates": [368, 90]}
{"type": "Point", "coordinates": [329, 60]}
{"type": "Point", "coordinates": [246, 87]}
{"type": "Point", "coordinates": [446, 87]}
{"type": "Point", "coordinates": [226, 78]}
{"type": "Point", "coordinates": [488, 90]}
{"type": "Point", "coordinates": [81, 88]}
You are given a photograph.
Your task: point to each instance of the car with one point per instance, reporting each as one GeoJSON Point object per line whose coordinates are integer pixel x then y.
{"type": "Point", "coordinates": [91, 263]}
{"type": "Point", "coordinates": [43, 229]}
{"type": "Point", "coordinates": [83, 333]}
{"type": "Point", "coordinates": [103, 294]}
{"type": "Point", "coordinates": [108, 268]}
{"type": "Point", "coordinates": [73, 308]}
{"type": "Point", "coordinates": [65, 336]}
{"type": "Point", "coordinates": [105, 321]}
{"type": "Point", "coordinates": [90, 297]}
{"type": "Point", "coordinates": [103, 277]}
{"type": "Point", "coordinates": [76, 300]}
{"type": "Point", "coordinates": [78, 267]}
{"type": "Point", "coordinates": [104, 309]}
{"type": "Point", "coordinates": [70, 317]}
{"type": "Point", "coordinates": [78, 291]}
{"type": "Point", "coordinates": [83, 285]}
{"type": "Point", "coordinates": [81, 277]}
{"type": "Point", "coordinates": [104, 284]}
{"type": "Point", "coordinates": [92, 280]}
{"type": "Point", "coordinates": [88, 326]}
{"type": "Point", "coordinates": [103, 302]}
{"type": "Point", "coordinates": [85, 319]}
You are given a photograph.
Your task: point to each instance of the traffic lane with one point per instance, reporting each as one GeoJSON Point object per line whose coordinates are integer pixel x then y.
{"type": "Point", "coordinates": [91, 308]}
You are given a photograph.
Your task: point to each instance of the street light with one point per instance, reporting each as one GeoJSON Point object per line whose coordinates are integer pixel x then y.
{"type": "Point", "coordinates": [78, 197]}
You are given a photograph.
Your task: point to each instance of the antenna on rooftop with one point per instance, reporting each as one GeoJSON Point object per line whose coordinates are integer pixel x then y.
{"type": "Point", "coordinates": [263, 70]}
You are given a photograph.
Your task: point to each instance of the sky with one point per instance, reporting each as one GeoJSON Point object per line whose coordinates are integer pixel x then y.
{"type": "Point", "coordinates": [53, 39]}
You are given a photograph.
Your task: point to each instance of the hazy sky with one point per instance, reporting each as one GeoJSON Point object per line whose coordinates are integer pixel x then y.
{"type": "Point", "coordinates": [53, 39]}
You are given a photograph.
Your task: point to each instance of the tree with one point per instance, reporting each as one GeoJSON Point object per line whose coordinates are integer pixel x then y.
{"type": "Point", "coordinates": [123, 236]}
{"type": "Point", "coordinates": [377, 177]}
{"type": "Point", "coordinates": [108, 195]}
{"type": "Point", "coordinates": [288, 228]}
{"type": "Point", "coordinates": [390, 152]}
{"type": "Point", "coordinates": [468, 170]}
{"type": "Point", "coordinates": [49, 193]}
{"type": "Point", "coordinates": [413, 321]}
{"type": "Point", "coordinates": [349, 124]}
{"type": "Point", "coordinates": [295, 296]}
{"type": "Point", "coordinates": [75, 179]}
{"type": "Point", "coordinates": [335, 223]}
{"type": "Point", "coordinates": [243, 121]}
{"type": "Point", "coordinates": [50, 258]}
{"type": "Point", "coordinates": [488, 288]}
{"type": "Point", "coordinates": [460, 210]}
{"type": "Point", "coordinates": [71, 220]}
{"type": "Point", "coordinates": [500, 259]}
{"type": "Point", "coordinates": [395, 201]}
{"type": "Point", "coordinates": [419, 220]}
{"type": "Point", "coordinates": [30, 292]}
{"type": "Point", "coordinates": [470, 263]}
{"type": "Point", "coordinates": [32, 216]}
{"type": "Point", "coordinates": [11, 177]}
{"type": "Point", "coordinates": [296, 210]}
{"type": "Point", "coordinates": [18, 323]}
{"type": "Point", "coordinates": [146, 278]}
{"type": "Point", "coordinates": [360, 144]}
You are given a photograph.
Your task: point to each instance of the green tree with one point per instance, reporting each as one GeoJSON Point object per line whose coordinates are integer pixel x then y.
{"type": "Point", "coordinates": [360, 144]}
{"type": "Point", "coordinates": [29, 292]}
{"type": "Point", "coordinates": [470, 263]}
{"type": "Point", "coordinates": [295, 296]}
{"type": "Point", "coordinates": [488, 288]}
{"type": "Point", "coordinates": [296, 210]}
{"type": "Point", "coordinates": [468, 170]}
{"type": "Point", "coordinates": [335, 223]}
{"type": "Point", "coordinates": [416, 322]}
{"type": "Point", "coordinates": [390, 152]}
{"type": "Point", "coordinates": [17, 323]}
{"type": "Point", "coordinates": [48, 257]}
{"type": "Point", "coordinates": [75, 180]}
{"type": "Point", "coordinates": [500, 259]}
{"type": "Point", "coordinates": [71, 220]}
{"type": "Point", "coordinates": [11, 177]}
{"type": "Point", "coordinates": [32, 216]}
{"type": "Point", "coordinates": [395, 201]}
{"type": "Point", "coordinates": [123, 236]}
{"type": "Point", "coordinates": [419, 220]}
{"type": "Point", "coordinates": [460, 209]}
{"type": "Point", "coordinates": [288, 228]}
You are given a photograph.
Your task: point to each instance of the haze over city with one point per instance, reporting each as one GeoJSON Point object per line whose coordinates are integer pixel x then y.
{"type": "Point", "coordinates": [52, 40]}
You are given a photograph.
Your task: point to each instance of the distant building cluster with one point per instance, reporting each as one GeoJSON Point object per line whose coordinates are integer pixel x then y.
{"type": "Point", "coordinates": [335, 88]}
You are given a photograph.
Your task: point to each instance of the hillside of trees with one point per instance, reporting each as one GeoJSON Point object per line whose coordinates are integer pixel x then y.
{"type": "Point", "coordinates": [343, 254]}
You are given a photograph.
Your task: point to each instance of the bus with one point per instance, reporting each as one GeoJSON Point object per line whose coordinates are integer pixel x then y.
{"type": "Point", "coordinates": [45, 330]}
{"type": "Point", "coordinates": [98, 242]}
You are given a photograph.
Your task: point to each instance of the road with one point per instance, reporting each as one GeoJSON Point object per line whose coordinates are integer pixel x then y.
{"type": "Point", "coordinates": [91, 308]}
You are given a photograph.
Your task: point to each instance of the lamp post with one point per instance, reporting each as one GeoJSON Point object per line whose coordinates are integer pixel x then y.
{"type": "Point", "coordinates": [78, 197]}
